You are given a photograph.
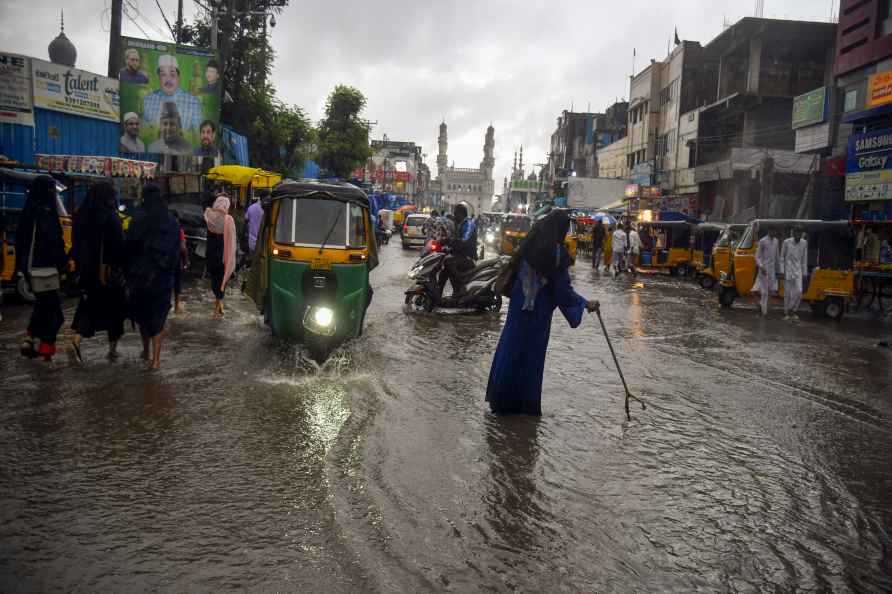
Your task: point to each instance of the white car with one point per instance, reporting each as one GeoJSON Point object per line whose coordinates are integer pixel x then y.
{"type": "Point", "coordinates": [413, 231]}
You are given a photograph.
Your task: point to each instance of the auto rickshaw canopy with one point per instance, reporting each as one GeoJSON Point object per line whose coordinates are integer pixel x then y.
{"type": "Point", "coordinates": [241, 176]}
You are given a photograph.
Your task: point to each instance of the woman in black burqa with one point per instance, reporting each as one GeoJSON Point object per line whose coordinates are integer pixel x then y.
{"type": "Point", "coordinates": [153, 254]}
{"type": "Point", "coordinates": [98, 251]}
{"type": "Point", "coordinates": [39, 227]}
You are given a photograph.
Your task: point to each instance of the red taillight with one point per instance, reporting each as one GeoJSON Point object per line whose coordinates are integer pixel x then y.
{"type": "Point", "coordinates": [435, 246]}
{"type": "Point", "coordinates": [405, 227]}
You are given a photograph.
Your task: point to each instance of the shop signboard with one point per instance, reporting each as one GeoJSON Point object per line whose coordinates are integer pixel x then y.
{"type": "Point", "coordinates": [170, 99]}
{"type": "Point", "coordinates": [879, 89]}
{"type": "Point", "coordinates": [15, 90]}
{"type": "Point", "coordinates": [88, 165]}
{"type": "Point", "coordinates": [812, 138]}
{"type": "Point", "coordinates": [869, 166]}
{"type": "Point", "coordinates": [810, 108]}
{"type": "Point", "coordinates": [69, 90]}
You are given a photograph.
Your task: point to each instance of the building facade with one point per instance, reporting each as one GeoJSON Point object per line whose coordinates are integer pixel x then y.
{"type": "Point", "coordinates": [464, 184]}
{"type": "Point", "coordinates": [396, 167]}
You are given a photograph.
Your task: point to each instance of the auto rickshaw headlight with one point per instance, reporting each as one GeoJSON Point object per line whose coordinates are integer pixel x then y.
{"type": "Point", "coordinates": [490, 237]}
{"type": "Point", "coordinates": [320, 320]}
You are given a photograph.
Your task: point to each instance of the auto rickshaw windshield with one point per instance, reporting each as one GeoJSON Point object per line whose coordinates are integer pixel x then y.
{"type": "Point", "coordinates": [317, 221]}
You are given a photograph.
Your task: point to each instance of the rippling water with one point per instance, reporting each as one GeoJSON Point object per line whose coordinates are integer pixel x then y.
{"type": "Point", "coordinates": [762, 463]}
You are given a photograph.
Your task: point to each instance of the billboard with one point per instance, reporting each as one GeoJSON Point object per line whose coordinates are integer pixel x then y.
{"type": "Point", "coordinates": [879, 89]}
{"type": "Point", "coordinates": [78, 92]}
{"type": "Point", "coordinates": [170, 99]}
{"type": "Point", "coordinates": [810, 108]}
{"type": "Point", "coordinates": [15, 89]}
{"type": "Point", "coordinates": [869, 166]}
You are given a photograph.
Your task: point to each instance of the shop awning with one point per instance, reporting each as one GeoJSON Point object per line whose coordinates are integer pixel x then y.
{"type": "Point", "coordinates": [244, 176]}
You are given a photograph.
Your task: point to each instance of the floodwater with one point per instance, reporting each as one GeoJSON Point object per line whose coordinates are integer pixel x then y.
{"type": "Point", "coordinates": [763, 462]}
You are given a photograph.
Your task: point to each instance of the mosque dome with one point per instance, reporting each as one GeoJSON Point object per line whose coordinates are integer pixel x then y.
{"type": "Point", "coordinates": [61, 50]}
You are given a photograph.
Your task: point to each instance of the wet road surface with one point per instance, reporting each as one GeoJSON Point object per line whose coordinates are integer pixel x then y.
{"type": "Point", "coordinates": [763, 461]}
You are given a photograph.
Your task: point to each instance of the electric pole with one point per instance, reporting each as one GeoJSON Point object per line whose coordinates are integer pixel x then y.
{"type": "Point", "coordinates": [114, 39]}
{"type": "Point", "coordinates": [179, 22]}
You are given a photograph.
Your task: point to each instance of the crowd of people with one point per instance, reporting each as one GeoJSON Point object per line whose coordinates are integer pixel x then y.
{"type": "Point", "coordinates": [120, 276]}
{"type": "Point", "coordinates": [621, 242]}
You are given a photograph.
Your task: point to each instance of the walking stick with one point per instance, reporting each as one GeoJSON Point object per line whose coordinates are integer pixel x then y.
{"type": "Point", "coordinates": [615, 360]}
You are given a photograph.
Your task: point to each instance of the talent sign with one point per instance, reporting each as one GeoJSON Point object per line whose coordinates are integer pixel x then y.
{"type": "Point", "coordinates": [869, 166]}
{"type": "Point", "coordinates": [879, 89]}
{"type": "Point", "coordinates": [108, 166]}
{"type": "Point", "coordinates": [15, 90]}
{"type": "Point", "coordinates": [69, 90]}
{"type": "Point", "coordinates": [810, 108]}
{"type": "Point", "coordinates": [170, 99]}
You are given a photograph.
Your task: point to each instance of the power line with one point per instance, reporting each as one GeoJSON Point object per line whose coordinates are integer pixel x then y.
{"type": "Point", "coordinates": [138, 26]}
{"type": "Point", "coordinates": [146, 20]}
{"type": "Point", "coordinates": [164, 16]}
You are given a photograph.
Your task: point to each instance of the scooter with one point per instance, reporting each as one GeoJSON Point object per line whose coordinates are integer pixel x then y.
{"type": "Point", "coordinates": [383, 235]}
{"type": "Point", "coordinates": [476, 290]}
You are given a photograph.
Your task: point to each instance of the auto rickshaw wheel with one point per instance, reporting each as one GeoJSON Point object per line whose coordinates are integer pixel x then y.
{"type": "Point", "coordinates": [22, 290]}
{"type": "Point", "coordinates": [319, 350]}
{"type": "Point", "coordinates": [727, 296]}
{"type": "Point", "coordinates": [493, 306]}
{"type": "Point", "coordinates": [833, 308]}
{"type": "Point", "coordinates": [707, 282]}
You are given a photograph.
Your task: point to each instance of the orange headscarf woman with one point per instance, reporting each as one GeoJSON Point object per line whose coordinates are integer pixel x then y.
{"type": "Point", "coordinates": [221, 247]}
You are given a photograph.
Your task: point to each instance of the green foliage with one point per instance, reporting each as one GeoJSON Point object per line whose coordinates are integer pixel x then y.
{"type": "Point", "coordinates": [343, 135]}
{"type": "Point", "coordinates": [279, 136]}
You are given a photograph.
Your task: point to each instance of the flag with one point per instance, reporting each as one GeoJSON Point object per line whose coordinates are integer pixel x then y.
{"type": "Point", "coordinates": [677, 40]}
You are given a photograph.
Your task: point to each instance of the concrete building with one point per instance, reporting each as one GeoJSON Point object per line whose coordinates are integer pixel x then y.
{"type": "Point", "coordinates": [577, 138]}
{"type": "Point", "coordinates": [396, 167]}
{"type": "Point", "coordinates": [745, 160]}
{"type": "Point", "coordinates": [463, 184]}
{"type": "Point", "coordinates": [863, 67]}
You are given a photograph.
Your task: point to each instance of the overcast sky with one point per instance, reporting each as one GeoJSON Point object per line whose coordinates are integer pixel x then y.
{"type": "Point", "coordinates": [517, 63]}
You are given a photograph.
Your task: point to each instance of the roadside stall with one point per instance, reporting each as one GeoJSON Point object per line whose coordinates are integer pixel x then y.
{"type": "Point", "coordinates": [873, 264]}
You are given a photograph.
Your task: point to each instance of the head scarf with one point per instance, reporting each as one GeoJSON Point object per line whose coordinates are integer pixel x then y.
{"type": "Point", "coordinates": [219, 221]}
{"type": "Point", "coordinates": [39, 220]}
{"type": "Point", "coordinates": [543, 248]}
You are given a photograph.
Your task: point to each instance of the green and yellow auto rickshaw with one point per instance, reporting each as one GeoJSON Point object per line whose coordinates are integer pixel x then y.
{"type": "Point", "coordinates": [310, 272]}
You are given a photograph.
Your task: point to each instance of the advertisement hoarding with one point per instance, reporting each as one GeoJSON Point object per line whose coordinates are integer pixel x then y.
{"type": "Point", "coordinates": [810, 108]}
{"type": "Point", "coordinates": [879, 89]}
{"type": "Point", "coordinates": [170, 99]}
{"type": "Point", "coordinates": [869, 166]}
{"type": "Point", "coordinates": [15, 89]}
{"type": "Point", "coordinates": [78, 92]}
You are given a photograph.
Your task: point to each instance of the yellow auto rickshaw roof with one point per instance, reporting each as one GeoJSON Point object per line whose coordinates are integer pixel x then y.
{"type": "Point", "coordinates": [238, 175]}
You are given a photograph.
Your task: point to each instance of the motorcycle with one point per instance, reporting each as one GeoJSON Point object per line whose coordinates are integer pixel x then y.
{"type": "Point", "coordinates": [477, 285]}
{"type": "Point", "coordinates": [383, 235]}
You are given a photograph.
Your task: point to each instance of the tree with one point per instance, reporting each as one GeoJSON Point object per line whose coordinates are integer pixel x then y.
{"type": "Point", "coordinates": [343, 135]}
{"type": "Point", "coordinates": [278, 135]}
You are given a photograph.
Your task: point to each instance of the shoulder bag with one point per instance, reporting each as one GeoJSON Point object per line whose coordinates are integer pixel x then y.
{"type": "Point", "coordinates": [43, 278]}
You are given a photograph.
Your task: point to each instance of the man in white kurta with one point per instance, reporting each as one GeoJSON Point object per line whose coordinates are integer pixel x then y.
{"type": "Point", "coordinates": [794, 267]}
{"type": "Point", "coordinates": [766, 276]}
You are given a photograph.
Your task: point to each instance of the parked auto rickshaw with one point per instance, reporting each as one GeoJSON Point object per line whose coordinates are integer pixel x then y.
{"type": "Point", "coordinates": [310, 274]}
{"type": "Point", "coordinates": [720, 259]}
{"type": "Point", "coordinates": [571, 242]}
{"type": "Point", "coordinates": [666, 245]}
{"type": "Point", "coordinates": [514, 229]}
{"type": "Point", "coordinates": [240, 182]}
{"type": "Point", "coordinates": [830, 280]}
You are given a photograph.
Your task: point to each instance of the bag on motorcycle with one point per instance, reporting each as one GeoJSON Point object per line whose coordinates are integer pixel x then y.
{"type": "Point", "coordinates": [505, 279]}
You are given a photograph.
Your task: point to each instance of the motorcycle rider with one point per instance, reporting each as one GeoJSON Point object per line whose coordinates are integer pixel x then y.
{"type": "Point", "coordinates": [464, 250]}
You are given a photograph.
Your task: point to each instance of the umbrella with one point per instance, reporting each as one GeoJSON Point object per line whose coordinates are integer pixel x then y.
{"type": "Point", "coordinates": [604, 218]}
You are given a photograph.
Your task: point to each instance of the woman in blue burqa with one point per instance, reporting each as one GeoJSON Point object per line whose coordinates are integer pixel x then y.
{"type": "Point", "coordinates": [153, 254]}
{"type": "Point", "coordinates": [540, 283]}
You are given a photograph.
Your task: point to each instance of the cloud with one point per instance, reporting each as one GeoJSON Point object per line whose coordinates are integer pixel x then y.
{"type": "Point", "coordinates": [515, 63]}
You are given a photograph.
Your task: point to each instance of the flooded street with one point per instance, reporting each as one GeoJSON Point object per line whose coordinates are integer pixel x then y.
{"type": "Point", "coordinates": [762, 463]}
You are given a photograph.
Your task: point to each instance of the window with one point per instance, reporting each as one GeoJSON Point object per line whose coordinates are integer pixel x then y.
{"type": "Point", "coordinates": [357, 226]}
{"type": "Point", "coordinates": [311, 221]}
{"type": "Point", "coordinates": [851, 100]}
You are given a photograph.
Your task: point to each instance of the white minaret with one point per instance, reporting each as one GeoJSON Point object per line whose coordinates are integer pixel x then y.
{"type": "Point", "coordinates": [441, 156]}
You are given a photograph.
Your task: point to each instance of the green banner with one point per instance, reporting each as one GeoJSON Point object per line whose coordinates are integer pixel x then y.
{"type": "Point", "coordinates": [170, 99]}
{"type": "Point", "coordinates": [810, 108]}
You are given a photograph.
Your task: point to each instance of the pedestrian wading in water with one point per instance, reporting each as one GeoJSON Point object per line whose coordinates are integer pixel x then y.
{"type": "Point", "coordinates": [152, 254]}
{"type": "Point", "coordinates": [221, 249]}
{"type": "Point", "coordinates": [98, 253]}
{"type": "Point", "coordinates": [537, 282]}
{"type": "Point", "coordinates": [40, 258]}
